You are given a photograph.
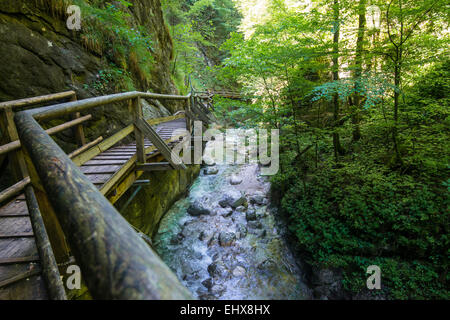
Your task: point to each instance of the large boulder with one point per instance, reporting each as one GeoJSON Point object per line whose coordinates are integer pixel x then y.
{"type": "Point", "coordinates": [226, 238]}
{"type": "Point", "coordinates": [241, 231]}
{"type": "Point", "coordinates": [197, 208]}
{"type": "Point", "coordinates": [211, 171]}
{"type": "Point", "coordinates": [239, 271]}
{"type": "Point", "coordinates": [217, 269]}
{"type": "Point", "coordinates": [258, 198]}
{"type": "Point", "coordinates": [149, 111]}
{"type": "Point", "coordinates": [250, 215]}
{"type": "Point", "coordinates": [235, 180]}
{"type": "Point", "coordinates": [225, 212]}
{"type": "Point", "coordinates": [164, 112]}
{"type": "Point", "coordinates": [232, 198]}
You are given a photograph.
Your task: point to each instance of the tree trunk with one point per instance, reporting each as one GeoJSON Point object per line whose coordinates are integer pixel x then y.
{"type": "Point", "coordinates": [336, 141]}
{"type": "Point", "coordinates": [358, 70]}
{"type": "Point", "coordinates": [397, 82]}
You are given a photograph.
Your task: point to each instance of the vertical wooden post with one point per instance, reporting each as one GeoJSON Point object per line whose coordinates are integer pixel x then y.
{"type": "Point", "coordinates": [18, 165]}
{"type": "Point", "coordinates": [140, 147]}
{"type": "Point", "coordinates": [188, 120]}
{"type": "Point", "coordinates": [22, 167]}
{"type": "Point", "coordinates": [56, 235]}
{"type": "Point", "coordinates": [78, 130]}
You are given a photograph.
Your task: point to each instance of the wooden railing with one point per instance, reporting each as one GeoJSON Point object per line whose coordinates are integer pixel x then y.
{"type": "Point", "coordinates": [116, 263]}
{"type": "Point", "coordinates": [48, 263]}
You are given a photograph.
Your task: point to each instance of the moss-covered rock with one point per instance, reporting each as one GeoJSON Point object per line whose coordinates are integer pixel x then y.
{"type": "Point", "coordinates": [153, 201]}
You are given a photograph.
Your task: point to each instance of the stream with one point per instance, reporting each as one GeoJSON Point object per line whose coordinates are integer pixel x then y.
{"type": "Point", "coordinates": [224, 240]}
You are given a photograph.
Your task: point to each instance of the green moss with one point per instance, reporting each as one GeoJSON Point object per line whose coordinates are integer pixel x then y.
{"type": "Point", "coordinates": [151, 203]}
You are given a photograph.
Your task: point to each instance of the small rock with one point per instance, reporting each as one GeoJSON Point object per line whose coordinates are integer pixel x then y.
{"type": "Point", "coordinates": [239, 271]}
{"type": "Point", "coordinates": [225, 212]}
{"type": "Point", "coordinates": [235, 180]}
{"type": "Point", "coordinates": [238, 202]}
{"type": "Point", "coordinates": [212, 239]}
{"type": "Point", "coordinates": [208, 283]}
{"type": "Point", "coordinates": [211, 170]}
{"type": "Point", "coordinates": [223, 203]}
{"type": "Point", "coordinates": [216, 269]}
{"type": "Point", "coordinates": [250, 215]}
{"type": "Point", "coordinates": [206, 296]}
{"type": "Point", "coordinates": [267, 265]}
{"type": "Point", "coordinates": [217, 289]}
{"type": "Point", "coordinates": [257, 198]}
{"type": "Point", "coordinates": [197, 209]}
{"type": "Point", "coordinates": [177, 239]}
{"type": "Point", "coordinates": [242, 231]}
{"type": "Point", "coordinates": [240, 209]}
{"type": "Point", "coordinates": [226, 238]}
{"type": "Point", "coordinates": [232, 198]}
{"type": "Point", "coordinates": [254, 224]}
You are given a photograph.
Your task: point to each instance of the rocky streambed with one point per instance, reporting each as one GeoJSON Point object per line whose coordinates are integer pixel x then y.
{"type": "Point", "coordinates": [224, 241]}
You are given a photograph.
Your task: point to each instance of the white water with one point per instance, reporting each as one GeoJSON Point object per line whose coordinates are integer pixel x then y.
{"type": "Point", "coordinates": [270, 269]}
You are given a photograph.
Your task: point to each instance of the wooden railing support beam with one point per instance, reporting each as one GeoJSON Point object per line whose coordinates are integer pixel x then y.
{"type": "Point", "coordinates": [48, 263]}
{"type": "Point", "coordinates": [16, 144]}
{"type": "Point", "coordinates": [151, 134]}
{"type": "Point", "coordinates": [16, 159]}
{"type": "Point", "coordinates": [154, 166]}
{"type": "Point", "coordinates": [78, 130]}
{"type": "Point", "coordinates": [138, 134]}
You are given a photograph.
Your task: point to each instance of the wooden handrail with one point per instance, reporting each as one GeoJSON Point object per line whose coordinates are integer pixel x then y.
{"type": "Point", "coordinates": [36, 100]}
{"type": "Point", "coordinates": [14, 145]}
{"type": "Point", "coordinates": [14, 189]}
{"type": "Point", "coordinates": [77, 106]}
{"type": "Point", "coordinates": [85, 147]}
{"type": "Point", "coordinates": [128, 269]}
{"type": "Point", "coordinates": [89, 221]}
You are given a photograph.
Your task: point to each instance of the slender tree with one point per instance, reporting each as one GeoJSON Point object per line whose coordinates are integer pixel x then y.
{"type": "Point", "coordinates": [358, 69]}
{"type": "Point", "coordinates": [338, 150]}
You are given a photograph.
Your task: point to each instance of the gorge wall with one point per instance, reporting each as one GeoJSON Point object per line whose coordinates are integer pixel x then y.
{"type": "Point", "coordinates": [39, 55]}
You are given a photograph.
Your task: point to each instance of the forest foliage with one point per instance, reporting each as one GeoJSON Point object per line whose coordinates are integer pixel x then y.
{"type": "Point", "coordinates": [363, 113]}
{"type": "Point", "coordinates": [359, 92]}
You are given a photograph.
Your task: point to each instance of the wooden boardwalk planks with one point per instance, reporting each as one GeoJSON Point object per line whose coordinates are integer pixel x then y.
{"type": "Point", "coordinates": [19, 263]}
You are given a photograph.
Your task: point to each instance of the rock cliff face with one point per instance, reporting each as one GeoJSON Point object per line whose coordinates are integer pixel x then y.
{"type": "Point", "coordinates": [40, 55]}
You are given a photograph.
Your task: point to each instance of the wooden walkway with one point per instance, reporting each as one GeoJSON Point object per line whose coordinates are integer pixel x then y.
{"type": "Point", "coordinates": [20, 270]}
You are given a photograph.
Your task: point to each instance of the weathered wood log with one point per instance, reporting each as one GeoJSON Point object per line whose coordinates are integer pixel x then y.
{"type": "Point", "coordinates": [19, 277]}
{"type": "Point", "coordinates": [49, 267]}
{"type": "Point", "coordinates": [78, 106]}
{"type": "Point", "coordinates": [85, 147]}
{"type": "Point", "coordinates": [19, 260]}
{"type": "Point", "coordinates": [8, 127]}
{"type": "Point", "coordinates": [37, 100]}
{"type": "Point", "coordinates": [154, 166]}
{"type": "Point", "coordinates": [14, 189]}
{"type": "Point", "coordinates": [138, 134]}
{"type": "Point", "coordinates": [116, 263]}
